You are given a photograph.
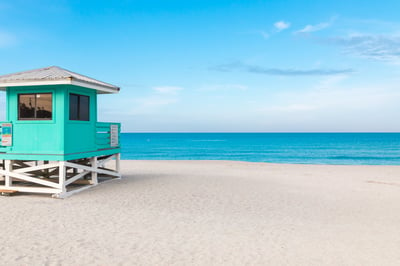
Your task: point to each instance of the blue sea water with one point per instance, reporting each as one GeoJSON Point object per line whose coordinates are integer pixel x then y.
{"type": "Point", "coordinates": [298, 148]}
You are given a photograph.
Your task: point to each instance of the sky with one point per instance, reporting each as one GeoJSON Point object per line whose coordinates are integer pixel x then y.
{"type": "Point", "coordinates": [220, 65]}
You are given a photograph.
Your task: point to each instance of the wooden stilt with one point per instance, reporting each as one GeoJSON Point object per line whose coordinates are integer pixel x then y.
{"type": "Point", "coordinates": [8, 178]}
{"type": "Point", "coordinates": [62, 176]}
{"type": "Point", "coordinates": [117, 162]}
{"type": "Point", "coordinates": [93, 162]}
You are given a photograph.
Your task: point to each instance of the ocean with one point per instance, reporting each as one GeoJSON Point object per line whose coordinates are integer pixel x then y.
{"type": "Point", "coordinates": [296, 148]}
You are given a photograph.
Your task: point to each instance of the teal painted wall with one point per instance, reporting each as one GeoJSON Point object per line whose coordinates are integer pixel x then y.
{"type": "Point", "coordinates": [58, 138]}
{"type": "Point", "coordinates": [39, 136]}
{"type": "Point", "coordinates": [80, 136]}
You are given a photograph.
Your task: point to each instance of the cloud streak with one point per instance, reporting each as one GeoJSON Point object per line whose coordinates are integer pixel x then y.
{"type": "Point", "coordinates": [317, 27]}
{"type": "Point", "coordinates": [377, 47]}
{"type": "Point", "coordinates": [277, 27]}
{"type": "Point", "coordinates": [220, 87]}
{"type": "Point", "coordinates": [238, 66]}
{"type": "Point", "coordinates": [168, 89]}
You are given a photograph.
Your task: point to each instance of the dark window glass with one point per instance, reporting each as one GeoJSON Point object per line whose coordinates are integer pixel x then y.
{"type": "Point", "coordinates": [79, 107]}
{"type": "Point", "coordinates": [73, 106]}
{"type": "Point", "coordinates": [84, 108]}
{"type": "Point", "coordinates": [36, 106]}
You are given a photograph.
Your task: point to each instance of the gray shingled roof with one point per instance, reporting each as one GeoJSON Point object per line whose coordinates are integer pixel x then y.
{"type": "Point", "coordinates": [53, 74]}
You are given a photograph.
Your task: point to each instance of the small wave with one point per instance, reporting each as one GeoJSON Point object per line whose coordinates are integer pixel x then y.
{"type": "Point", "coordinates": [364, 158]}
{"type": "Point", "coordinates": [208, 140]}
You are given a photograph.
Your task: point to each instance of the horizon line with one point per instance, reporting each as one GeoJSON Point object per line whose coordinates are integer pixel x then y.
{"type": "Point", "coordinates": [265, 132]}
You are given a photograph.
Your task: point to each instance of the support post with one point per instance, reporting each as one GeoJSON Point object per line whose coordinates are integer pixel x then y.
{"type": "Point", "coordinates": [62, 177]}
{"type": "Point", "coordinates": [9, 168]}
{"type": "Point", "coordinates": [93, 162]}
{"type": "Point", "coordinates": [117, 162]}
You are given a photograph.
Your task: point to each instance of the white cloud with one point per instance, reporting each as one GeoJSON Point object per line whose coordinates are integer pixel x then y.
{"type": "Point", "coordinates": [218, 87]}
{"type": "Point", "coordinates": [313, 28]}
{"type": "Point", "coordinates": [278, 26]}
{"type": "Point", "coordinates": [337, 107]}
{"type": "Point", "coordinates": [152, 104]}
{"type": "Point", "coordinates": [167, 89]}
{"type": "Point", "coordinates": [281, 25]}
{"type": "Point", "coordinates": [331, 81]}
{"type": "Point", "coordinates": [159, 98]}
{"type": "Point", "coordinates": [317, 27]}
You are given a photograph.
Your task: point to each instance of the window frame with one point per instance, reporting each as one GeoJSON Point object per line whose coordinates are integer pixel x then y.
{"type": "Point", "coordinates": [79, 106]}
{"type": "Point", "coordinates": [35, 110]}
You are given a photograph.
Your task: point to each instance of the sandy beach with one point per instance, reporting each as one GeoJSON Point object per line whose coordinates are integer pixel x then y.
{"type": "Point", "coordinates": [213, 213]}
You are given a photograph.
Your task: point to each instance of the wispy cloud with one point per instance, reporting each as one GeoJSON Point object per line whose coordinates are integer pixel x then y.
{"type": "Point", "coordinates": [331, 81]}
{"type": "Point", "coordinates": [317, 27]}
{"type": "Point", "coordinates": [370, 39]}
{"type": "Point", "coordinates": [312, 28]}
{"type": "Point", "coordinates": [281, 25]}
{"type": "Point", "coordinates": [264, 34]}
{"type": "Point", "coordinates": [337, 108]}
{"type": "Point", "coordinates": [150, 104]}
{"type": "Point", "coordinates": [159, 98]}
{"type": "Point", "coordinates": [377, 47]}
{"type": "Point", "coordinates": [239, 66]}
{"type": "Point", "coordinates": [167, 89]}
{"type": "Point", "coordinates": [277, 27]}
{"type": "Point", "coordinates": [220, 87]}
{"type": "Point", "coordinates": [291, 108]}
{"type": "Point", "coordinates": [155, 102]}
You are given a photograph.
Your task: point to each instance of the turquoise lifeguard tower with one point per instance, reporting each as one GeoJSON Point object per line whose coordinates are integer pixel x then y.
{"type": "Point", "coordinates": [51, 141]}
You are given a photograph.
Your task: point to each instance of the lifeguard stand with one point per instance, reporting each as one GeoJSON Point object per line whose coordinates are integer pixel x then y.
{"type": "Point", "coordinates": [51, 141]}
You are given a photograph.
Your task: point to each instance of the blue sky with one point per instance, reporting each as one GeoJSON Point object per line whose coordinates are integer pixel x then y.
{"type": "Point", "coordinates": [220, 66]}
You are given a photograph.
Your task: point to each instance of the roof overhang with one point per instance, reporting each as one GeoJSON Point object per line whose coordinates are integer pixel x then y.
{"type": "Point", "coordinates": [69, 81]}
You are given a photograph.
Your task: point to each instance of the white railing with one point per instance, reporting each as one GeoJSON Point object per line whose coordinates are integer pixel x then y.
{"type": "Point", "coordinates": [108, 135]}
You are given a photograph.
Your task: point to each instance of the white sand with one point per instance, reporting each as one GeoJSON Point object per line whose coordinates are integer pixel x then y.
{"type": "Point", "coordinates": [213, 213]}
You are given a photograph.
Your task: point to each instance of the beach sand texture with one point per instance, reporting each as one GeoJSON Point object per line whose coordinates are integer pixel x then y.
{"type": "Point", "coordinates": [213, 213]}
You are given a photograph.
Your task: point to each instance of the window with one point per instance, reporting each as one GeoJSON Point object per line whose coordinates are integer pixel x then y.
{"type": "Point", "coordinates": [78, 107]}
{"type": "Point", "coordinates": [35, 106]}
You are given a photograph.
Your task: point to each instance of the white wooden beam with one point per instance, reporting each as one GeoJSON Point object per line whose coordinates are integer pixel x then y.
{"type": "Point", "coordinates": [34, 168]}
{"type": "Point", "coordinates": [29, 179]}
{"type": "Point", "coordinates": [76, 177]}
{"type": "Point", "coordinates": [88, 168]}
{"type": "Point", "coordinates": [32, 189]}
{"type": "Point", "coordinates": [101, 163]}
{"type": "Point", "coordinates": [63, 195]}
